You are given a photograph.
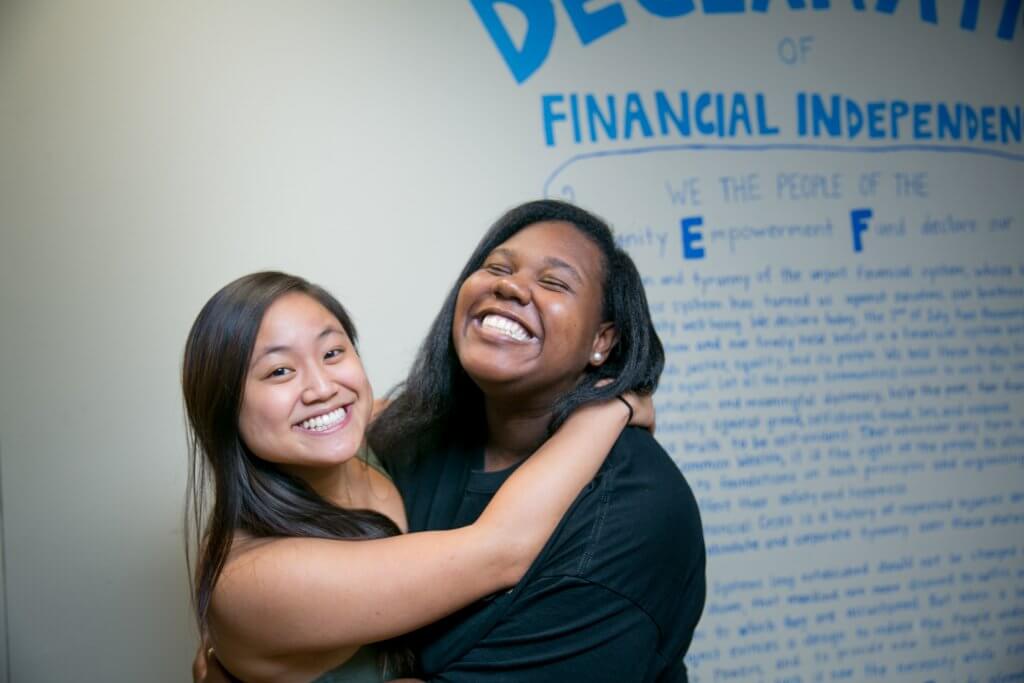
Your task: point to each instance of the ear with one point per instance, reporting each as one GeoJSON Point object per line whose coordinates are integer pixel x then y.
{"type": "Point", "coordinates": [604, 341]}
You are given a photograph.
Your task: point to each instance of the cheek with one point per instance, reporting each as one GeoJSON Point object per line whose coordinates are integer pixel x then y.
{"type": "Point", "coordinates": [588, 313]}
{"type": "Point", "coordinates": [475, 286]}
{"type": "Point", "coordinates": [352, 375]}
{"type": "Point", "coordinates": [462, 302]}
{"type": "Point", "coordinates": [252, 435]}
{"type": "Point", "coordinates": [460, 318]}
{"type": "Point", "coordinates": [576, 327]}
{"type": "Point", "coordinates": [570, 317]}
{"type": "Point", "coordinates": [358, 380]}
{"type": "Point", "coordinates": [260, 410]}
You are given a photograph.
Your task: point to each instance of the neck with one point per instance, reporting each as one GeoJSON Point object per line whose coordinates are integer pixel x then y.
{"type": "Point", "coordinates": [515, 430]}
{"type": "Point", "coordinates": [332, 483]}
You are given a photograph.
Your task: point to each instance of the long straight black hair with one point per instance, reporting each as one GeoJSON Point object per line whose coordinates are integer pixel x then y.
{"type": "Point", "coordinates": [439, 404]}
{"type": "Point", "coordinates": [249, 494]}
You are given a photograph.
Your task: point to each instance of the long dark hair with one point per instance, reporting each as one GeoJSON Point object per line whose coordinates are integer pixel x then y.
{"type": "Point", "coordinates": [249, 494]}
{"type": "Point", "coordinates": [438, 403]}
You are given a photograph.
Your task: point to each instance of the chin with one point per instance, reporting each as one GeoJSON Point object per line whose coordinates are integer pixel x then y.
{"type": "Point", "coordinates": [345, 451]}
{"type": "Point", "coordinates": [484, 371]}
{"type": "Point", "coordinates": [327, 453]}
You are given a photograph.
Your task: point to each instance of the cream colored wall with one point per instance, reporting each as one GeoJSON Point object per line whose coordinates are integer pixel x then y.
{"type": "Point", "coordinates": [4, 659]}
{"type": "Point", "coordinates": [149, 153]}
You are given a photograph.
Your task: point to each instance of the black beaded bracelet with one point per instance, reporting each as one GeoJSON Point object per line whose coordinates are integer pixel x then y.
{"type": "Point", "coordinates": [629, 407]}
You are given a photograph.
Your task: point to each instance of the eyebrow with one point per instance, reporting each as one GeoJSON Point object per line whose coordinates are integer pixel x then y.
{"type": "Point", "coordinates": [327, 331]}
{"type": "Point", "coordinates": [549, 262]}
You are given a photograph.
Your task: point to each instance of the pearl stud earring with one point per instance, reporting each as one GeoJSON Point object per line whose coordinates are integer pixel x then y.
{"type": "Point", "coordinates": [597, 357]}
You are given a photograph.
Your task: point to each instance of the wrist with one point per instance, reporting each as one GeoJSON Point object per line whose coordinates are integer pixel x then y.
{"type": "Point", "coordinates": [629, 407]}
{"type": "Point", "coordinates": [619, 408]}
{"type": "Point", "coordinates": [605, 411]}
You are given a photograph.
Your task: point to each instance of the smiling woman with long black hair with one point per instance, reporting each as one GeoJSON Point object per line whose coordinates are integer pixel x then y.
{"type": "Point", "coordinates": [547, 316]}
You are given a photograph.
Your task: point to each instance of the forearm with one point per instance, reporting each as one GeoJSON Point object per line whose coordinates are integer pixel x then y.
{"type": "Point", "coordinates": [528, 507]}
{"type": "Point", "coordinates": [300, 594]}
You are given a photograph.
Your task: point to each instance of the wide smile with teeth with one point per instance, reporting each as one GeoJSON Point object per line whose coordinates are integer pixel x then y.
{"type": "Point", "coordinates": [506, 326]}
{"type": "Point", "coordinates": [323, 422]}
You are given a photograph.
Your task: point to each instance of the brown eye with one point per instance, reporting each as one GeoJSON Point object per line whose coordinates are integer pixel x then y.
{"type": "Point", "coordinates": [333, 353]}
{"type": "Point", "coordinates": [279, 372]}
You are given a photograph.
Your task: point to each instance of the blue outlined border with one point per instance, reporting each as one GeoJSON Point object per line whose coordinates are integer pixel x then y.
{"type": "Point", "coordinates": [768, 147]}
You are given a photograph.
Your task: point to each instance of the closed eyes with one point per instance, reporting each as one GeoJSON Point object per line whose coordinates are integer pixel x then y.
{"type": "Point", "coordinates": [497, 269]}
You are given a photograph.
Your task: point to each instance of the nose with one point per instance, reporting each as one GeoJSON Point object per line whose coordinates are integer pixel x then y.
{"type": "Point", "coordinates": [319, 386]}
{"type": "Point", "coordinates": [510, 287]}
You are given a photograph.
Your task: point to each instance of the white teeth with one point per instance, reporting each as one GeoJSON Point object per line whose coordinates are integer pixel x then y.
{"type": "Point", "coordinates": [506, 326]}
{"type": "Point", "coordinates": [322, 422]}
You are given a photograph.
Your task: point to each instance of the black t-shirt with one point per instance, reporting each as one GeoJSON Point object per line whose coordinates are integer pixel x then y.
{"type": "Point", "coordinates": [614, 596]}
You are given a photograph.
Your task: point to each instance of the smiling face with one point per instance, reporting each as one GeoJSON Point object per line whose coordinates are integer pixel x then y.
{"type": "Point", "coordinates": [307, 401]}
{"type": "Point", "coordinates": [528, 321]}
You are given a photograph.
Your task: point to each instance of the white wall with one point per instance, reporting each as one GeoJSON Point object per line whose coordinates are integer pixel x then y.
{"type": "Point", "coordinates": [150, 152]}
